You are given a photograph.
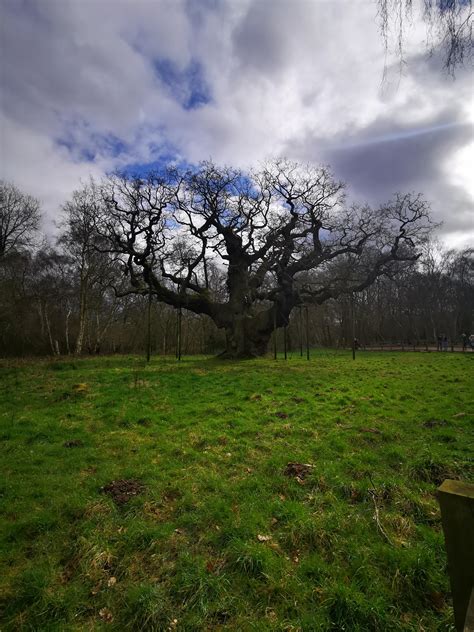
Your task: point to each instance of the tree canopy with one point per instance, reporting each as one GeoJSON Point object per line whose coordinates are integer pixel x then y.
{"type": "Point", "coordinates": [280, 236]}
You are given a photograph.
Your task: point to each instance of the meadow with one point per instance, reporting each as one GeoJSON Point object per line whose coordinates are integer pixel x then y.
{"type": "Point", "coordinates": [217, 495]}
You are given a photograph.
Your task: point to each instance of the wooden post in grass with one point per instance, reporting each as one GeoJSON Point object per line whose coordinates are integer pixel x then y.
{"type": "Point", "coordinates": [148, 335]}
{"type": "Point", "coordinates": [180, 318]}
{"type": "Point", "coordinates": [274, 333]}
{"type": "Point", "coordinates": [307, 332]}
{"type": "Point", "coordinates": [456, 500]}
{"type": "Point", "coordinates": [353, 328]}
{"type": "Point", "coordinates": [301, 332]}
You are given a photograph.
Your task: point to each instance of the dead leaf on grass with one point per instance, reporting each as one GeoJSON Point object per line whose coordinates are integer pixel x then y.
{"type": "Point", "coordinates": [106, 615]}
{"type": "Point", "coordinates": [80, 388]}
{"type": "Point", "coordinates": [263, 538]}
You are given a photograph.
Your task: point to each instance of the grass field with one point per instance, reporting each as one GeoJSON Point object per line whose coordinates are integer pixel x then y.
{"type": "Point", "coordinates": [211, 529]}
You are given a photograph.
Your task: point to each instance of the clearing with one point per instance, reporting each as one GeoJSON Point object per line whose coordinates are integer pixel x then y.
{"type": "Point", "coordinates": [213, 495]}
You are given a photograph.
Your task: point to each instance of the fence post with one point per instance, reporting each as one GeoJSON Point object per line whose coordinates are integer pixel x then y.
{"type": "Point", "coordinates": [456, 500]}
{"type": "Point", "coordinates": [307, 332]}
{"type": "Point", "coordinates": [274, 333]}
{"type": "Point", "coordinates": [148, 333]}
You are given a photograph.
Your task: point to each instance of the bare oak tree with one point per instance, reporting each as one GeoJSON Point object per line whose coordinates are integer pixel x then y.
{"type": "Point", "coordinates": [19, 218]}
{"type": "Point", "coordinates": [281, 236]}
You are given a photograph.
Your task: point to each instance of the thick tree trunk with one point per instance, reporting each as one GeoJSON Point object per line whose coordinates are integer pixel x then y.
{"type": "Point", "coordinates": [246, 339]}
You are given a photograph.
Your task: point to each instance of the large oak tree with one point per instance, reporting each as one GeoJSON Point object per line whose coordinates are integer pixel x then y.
{"type": "Point", "coordinates": [280, 237]}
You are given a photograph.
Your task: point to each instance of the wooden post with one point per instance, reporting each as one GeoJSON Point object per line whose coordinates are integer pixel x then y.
{"type": "Point", "coordinates": [274, 333]}
{"type": "Point", "coordinates": [180, 317]}
{"type": "Point", "coordinates": [301, 332]}
{"type": "Point", "coordinates": [307, 332]}
{"type": "Point", "coordinates": [177, 333]}
{"type": "Point", "coordinates": [148, 334]}
{"type": "Point", "coordinates": [456, 500]}
{"type": "Point", "coordinates": [353, 328]}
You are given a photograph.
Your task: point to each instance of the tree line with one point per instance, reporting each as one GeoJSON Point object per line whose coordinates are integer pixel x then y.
{"type": "Point", "coordinates": [241, 256]}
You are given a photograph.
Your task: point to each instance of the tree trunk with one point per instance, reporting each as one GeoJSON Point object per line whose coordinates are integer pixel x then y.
{"type": "Point", "coordinates": [246, 339]}
{"type": "Point", "coordinates": [82, 317]}
{"type": "Point", "coordinates": [68, 314]}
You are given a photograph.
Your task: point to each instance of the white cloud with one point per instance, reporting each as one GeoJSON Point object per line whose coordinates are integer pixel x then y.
{"type": "Point", "coordinates": [293, 77]}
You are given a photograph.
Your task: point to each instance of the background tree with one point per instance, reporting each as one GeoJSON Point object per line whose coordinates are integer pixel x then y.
{"type": "Point", "coordinates": [448, 24]}
{"type": "Point", "coordinates": [89, 266]}
{"type": "Point", "coordinates": [19, 219]}
{"type": "Point", "coordinates": [270, 231]}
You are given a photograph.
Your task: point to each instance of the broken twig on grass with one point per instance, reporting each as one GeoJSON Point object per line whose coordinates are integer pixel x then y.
{"type": "Point", "coordinates": [376, 516]}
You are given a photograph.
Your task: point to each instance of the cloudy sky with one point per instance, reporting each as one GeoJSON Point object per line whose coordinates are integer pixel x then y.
{"type": "Point", "coordinates": [89, 86]}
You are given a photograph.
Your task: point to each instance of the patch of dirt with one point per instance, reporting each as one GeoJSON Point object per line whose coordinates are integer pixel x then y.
{"type": "Point", "coordinates": [433, 423]}
{"type": "Point", "coordinates": [297, 470]}
{"type": "Point", "coordinates": [281, 415]}
{"type": "Point", "coordinates": [123, 490]}
{"type": "Point", "coordinates": [73, 443]}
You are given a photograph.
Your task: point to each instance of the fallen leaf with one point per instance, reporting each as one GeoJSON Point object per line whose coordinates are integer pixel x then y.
{"type": "Point", "coordinates": [106, 615]}
{"type": "Point", "coordinates": [263, 538]}
{"type": "Point", "coordinates": [112, 581]}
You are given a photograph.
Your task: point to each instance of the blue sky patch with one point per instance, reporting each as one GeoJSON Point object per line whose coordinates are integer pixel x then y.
{"type": "Point", "coordinates": [188, 86]}
{"type": "Point", "coordinates": [92, 146]}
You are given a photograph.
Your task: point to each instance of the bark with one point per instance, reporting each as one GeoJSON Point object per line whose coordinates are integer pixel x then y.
{"type": "Point", "coordinates": [245, 340]}
{"type": "Point", "coordinates": [68, 314]}
{"type": "Point", "coordinates": [82, 317]}
{"type": "Point", "coordinates": [48, 329]}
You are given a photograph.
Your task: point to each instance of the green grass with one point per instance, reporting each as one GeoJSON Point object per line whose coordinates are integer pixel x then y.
{"type": "Point", "coordinates": [209, 441]}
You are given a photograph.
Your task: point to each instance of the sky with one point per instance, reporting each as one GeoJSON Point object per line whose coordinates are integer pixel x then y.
{"type": "Point", "coordinates": [92, 86]}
